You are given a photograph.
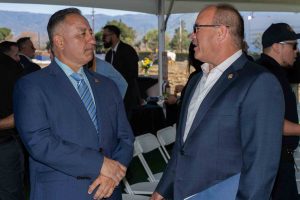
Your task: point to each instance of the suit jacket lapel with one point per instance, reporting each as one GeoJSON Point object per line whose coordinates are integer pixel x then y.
{"type": "Point", "coordinates": [66, 89]}
{"type": "Point", "coordinates": [116, 60]}
{"type": "Point", "coordinates": [226, 79]}
{"type": "Point", "coordinates": [108, 56]}
{"type": "Point", "coordinates": [186, 101]}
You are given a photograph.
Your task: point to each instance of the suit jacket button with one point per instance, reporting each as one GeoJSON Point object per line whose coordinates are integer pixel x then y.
{"type": "Point", "coordinates": [100, 150]}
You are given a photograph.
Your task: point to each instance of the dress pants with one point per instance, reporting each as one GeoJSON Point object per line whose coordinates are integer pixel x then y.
{"type": "Point", "coordinates": [11, 171]}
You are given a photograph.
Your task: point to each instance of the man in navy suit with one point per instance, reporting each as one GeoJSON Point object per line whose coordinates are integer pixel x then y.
{"type": "Point", "coordinates": [71, 120]}
{"type": "Point", "coordinates": [229, 135]}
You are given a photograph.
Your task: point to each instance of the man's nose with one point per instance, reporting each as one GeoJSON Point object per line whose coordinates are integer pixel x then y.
{"type": "Point", "coordinates": [92, 39]}
{"type": "Point", "coordinates": [192, 36]}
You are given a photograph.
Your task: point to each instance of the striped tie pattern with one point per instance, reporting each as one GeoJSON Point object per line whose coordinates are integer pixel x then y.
{"type": "Point", "coordinates": [86, 97]}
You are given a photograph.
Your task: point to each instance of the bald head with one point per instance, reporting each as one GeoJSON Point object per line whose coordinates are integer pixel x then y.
{"type": "Point", "coordinates": [218, 28]}
{"type": "Point", "coordinates": [227, 15]}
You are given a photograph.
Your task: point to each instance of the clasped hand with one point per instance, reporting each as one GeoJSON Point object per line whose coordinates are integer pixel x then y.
{"type": "Point", "coordinates": [111, 173]}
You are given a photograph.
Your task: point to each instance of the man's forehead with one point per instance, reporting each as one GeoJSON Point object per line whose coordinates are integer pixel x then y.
{"type": "Point", "coordinates": [77, 22]}
{"type": "Point", "coordinates": [206, 14]}
{"type": "Point", "coordinates": [76, 19]}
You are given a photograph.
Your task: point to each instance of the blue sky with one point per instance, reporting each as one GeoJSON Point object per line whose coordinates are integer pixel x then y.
{"type": "Point", "coordinates": [50, 9]}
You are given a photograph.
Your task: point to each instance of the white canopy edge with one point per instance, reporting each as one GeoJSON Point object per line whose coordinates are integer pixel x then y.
{"type": "Point", "coordinates": [180, 6]}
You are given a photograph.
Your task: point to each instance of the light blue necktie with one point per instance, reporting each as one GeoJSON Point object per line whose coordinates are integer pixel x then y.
{"type": "Point", "coordinates": [86, 97]}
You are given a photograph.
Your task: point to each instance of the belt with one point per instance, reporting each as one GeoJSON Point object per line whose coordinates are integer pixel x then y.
{"type": "Point", "coordinates": [6, 139]}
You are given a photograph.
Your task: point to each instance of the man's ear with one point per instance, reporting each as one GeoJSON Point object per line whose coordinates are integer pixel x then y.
{"type": "Point", "coordinates": [222, 32]}
{"type": "Point", "coordinates": [58, 41]}
{"type": "Point", "coordinates": [276, 47]}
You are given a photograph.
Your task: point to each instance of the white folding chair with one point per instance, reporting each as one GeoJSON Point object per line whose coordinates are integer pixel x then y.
{"type": "Point", "coordinates": [297, 171]}
{"type": "Point", "coordinates": [144, 188]}
{"type": "Point", "coordinates": [144, 144]}
{"type": "Point", "coordinates": [134, 197]}
{"type": "Point", "coordinates": [166, 136]}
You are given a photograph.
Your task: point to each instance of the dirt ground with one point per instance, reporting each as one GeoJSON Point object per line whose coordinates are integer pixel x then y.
{"type": "Point", "coordinates": [177, 73]}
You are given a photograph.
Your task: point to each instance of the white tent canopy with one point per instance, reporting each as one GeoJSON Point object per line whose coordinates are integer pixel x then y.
{"type": "Point", "coordinates": [180, 6]}
{"type": "Point", "coordinates": [162, 8]}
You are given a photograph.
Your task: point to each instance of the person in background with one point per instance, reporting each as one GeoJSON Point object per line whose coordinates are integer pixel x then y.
{"type": "Point", "coordinates": [172, 102]}
{"type": "Point", "coordinates": [245, 51]}
{"type": "Point", "coordinates": [229, 134]}
{"type": "Point", "coordinates": [27, 53]}
{"type": "Point", "coordinates": [10, 49]}
{"type": "Point", "coordinates": [125, 60]}
{"type": "Point", "coordinates": [280, 49]}
{"type": "Point", "coordinates": [11, 155]}
{"type": "Point", "coordinates": [72, 120]}
{"type": "Point", "coordinates": [104, 68]}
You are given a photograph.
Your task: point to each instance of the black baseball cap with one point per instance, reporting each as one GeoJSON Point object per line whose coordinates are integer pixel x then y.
{"type": "Point", "coordinates": [278, 33]}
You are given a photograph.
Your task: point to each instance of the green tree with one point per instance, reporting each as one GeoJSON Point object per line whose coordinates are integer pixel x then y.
{"type": "Point", "coordinates": [128, 34]}
{"type": "Point", "coordinates": [150, 40]}
{"type": "Point", "coordinates": [4, 33]}
{"type": "Point", "coordinates": [99, 45]}
{"type": "Point", "coordinates": [180, 41]}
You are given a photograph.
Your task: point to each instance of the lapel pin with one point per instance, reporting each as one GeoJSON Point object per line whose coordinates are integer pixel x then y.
{"type": "Point", "coordinates": [230, 76]}
{"type": "Point", "coordinates": [96, 80]}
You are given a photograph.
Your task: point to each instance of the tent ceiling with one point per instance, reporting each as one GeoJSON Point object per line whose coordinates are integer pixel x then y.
{"type": "Point", "coordinates": [180, 6]}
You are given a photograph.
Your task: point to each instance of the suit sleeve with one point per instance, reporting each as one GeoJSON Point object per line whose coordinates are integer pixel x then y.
{"type": "Point", "coordinates": [42, 144]}
{"type": "Point", "coordinates": [132, 60]}
{"type": "Point", "coordinates": [166, 183]}
{"type": "Point", "coordinates": [124, 151]}
{"type": "Point", "coordinates": [261, 123]}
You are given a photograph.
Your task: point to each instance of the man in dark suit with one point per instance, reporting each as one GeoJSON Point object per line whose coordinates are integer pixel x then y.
{"type": "Point", "coordinates": [72, 120]}
{"type": "Point", "coordinates": [10, 49]}
{"type": "Point", "coordinates": [229, 134]}
{"type": "Point", "coordinates": [280, 49]}
{"type": "Point", "coordinates": [27, 52]}
{"type": "Point", "coordinates": [11, 156]}
{"type": "Point", "coordinates": [125, 59]}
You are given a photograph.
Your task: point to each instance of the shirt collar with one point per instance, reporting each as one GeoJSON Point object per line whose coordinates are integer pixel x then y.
{"type": "Point", "coordinates": [224, 65]}
{"type": "Point", "coordinates": [116, 47]}
{"type": "Point", "coordinates": [68, 71]}
{"type": "Point", "coordinates": [205, 68]}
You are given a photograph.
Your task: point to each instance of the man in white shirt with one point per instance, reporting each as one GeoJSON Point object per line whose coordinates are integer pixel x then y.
{"type": "Point", "coordinates": [229, 134]}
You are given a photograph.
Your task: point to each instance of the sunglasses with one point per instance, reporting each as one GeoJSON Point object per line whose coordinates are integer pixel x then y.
{"type": "Point", "coordinates": [293, 44]}
{"type": "Point", "coordinates": [198, 26]}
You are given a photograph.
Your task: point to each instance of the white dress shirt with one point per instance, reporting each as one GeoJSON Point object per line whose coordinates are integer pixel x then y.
{"type": "Point", "coordinates": [207, 81]}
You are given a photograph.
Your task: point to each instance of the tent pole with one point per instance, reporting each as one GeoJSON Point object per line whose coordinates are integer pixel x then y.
{"type": "Point", "coordinates": [161, 43]}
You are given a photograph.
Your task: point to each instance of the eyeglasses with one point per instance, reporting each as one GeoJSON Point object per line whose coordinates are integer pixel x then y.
{"type": "Point", "coordinates": [293, 44]}
{"type": "Point", "coordinates": [198, 26]}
